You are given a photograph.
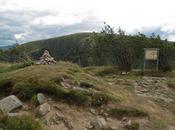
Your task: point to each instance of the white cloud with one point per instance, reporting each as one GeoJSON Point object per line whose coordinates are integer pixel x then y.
{"type": "Point", "coordinates": [131, 15]}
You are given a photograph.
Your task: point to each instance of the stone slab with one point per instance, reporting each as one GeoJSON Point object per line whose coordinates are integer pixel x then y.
{"type": "Point", "coordinates": [10, 103]}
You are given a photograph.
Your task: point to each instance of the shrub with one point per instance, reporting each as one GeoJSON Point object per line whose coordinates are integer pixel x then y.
{"type": "Point", "coordinates": [22, 123]}
{"type": "Point", "coordinates": [127, 112]}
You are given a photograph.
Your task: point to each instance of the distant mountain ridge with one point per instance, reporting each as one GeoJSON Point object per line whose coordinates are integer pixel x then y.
{"type": "Point", "coordinates": [5, 47]}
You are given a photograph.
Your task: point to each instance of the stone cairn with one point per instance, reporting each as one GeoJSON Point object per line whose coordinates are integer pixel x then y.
{"type": "Point", "coordinates": [46, 59]}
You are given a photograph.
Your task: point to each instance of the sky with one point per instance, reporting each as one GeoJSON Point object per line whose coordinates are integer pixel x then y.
{"type": "Point", "coordinates": [28, 20]}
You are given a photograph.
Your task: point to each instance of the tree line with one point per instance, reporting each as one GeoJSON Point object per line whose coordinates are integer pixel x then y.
{"type": "Point", "coordinates": [108, 47]}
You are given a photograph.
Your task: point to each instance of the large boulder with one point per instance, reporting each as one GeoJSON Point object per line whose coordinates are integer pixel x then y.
{"type": "Point", "coordinates": [10, 103]}
{"type": "Point", "coordinates": [41, 98]}
{"type": "Point", "coordinates": [46, 59]}
{"type": "Point", "coordinates": [99, 123]}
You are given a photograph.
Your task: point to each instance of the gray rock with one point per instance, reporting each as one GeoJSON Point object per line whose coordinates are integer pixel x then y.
{"type": "Point", "coordinates": [13, 114]}
{"type": "Point", "coordinates": [41, 98]}
{"type": "Point", "coordinates": [92, 111]}
{"type": "Point", "coordinates": [10, 103]}
{"type": "Point", "coordinates": [44, 109]}
{"type": "Point", "coordinates": [99, 123]}
{"type": "Point", "coordinates": [46, 59]}
{"type": "Point", "coordinates": [26, 107]}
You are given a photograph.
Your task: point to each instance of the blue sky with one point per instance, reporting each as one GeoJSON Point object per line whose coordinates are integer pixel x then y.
{"type": "Point", "coordinates": [28, 20]}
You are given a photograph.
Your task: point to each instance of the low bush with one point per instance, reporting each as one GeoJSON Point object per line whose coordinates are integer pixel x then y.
{"type": "Point", "coordinates": [127, 112]}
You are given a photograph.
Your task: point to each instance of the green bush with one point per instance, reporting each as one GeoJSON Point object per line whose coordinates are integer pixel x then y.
{"type": "Point", "coordinates": [127, 112]}
{"type": "Point", "coordinates": [22, 123]}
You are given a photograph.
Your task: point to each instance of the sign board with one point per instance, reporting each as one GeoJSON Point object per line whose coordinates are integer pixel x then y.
{"type": "Point", "coordinates": [151, 53]}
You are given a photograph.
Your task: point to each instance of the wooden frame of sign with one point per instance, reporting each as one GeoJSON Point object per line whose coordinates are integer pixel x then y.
{"type": "Point", "coordinates": [151, 54]}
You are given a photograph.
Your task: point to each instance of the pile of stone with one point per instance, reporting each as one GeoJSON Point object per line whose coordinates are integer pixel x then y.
{"type": "Point", "coordinates": [155, 88]}
{"type": "Point", "coordinates": [46, 59]}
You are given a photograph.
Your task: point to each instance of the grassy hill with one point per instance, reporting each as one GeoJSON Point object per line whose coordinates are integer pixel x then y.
{"type": "Point", "coordinates": [61, 48]}
{"type": "Point", "coordinates": [100, 88]}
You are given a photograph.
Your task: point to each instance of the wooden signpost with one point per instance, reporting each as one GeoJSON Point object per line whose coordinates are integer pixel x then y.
{"type": "Point", "coordinates": [151, 54]}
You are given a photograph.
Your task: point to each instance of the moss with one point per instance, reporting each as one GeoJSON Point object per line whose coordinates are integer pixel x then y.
{"type": "Point", "coordinates": [127, 112]}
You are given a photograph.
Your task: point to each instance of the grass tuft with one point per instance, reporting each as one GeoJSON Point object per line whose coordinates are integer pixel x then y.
{"type": "Point", "coordinates": [127, 112]}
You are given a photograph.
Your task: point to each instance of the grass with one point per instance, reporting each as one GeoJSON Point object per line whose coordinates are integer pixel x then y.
{"type": "Point", "coordinates": [22, 123]}
{"type": "Point", "coordinates": [19, 123]}
{"type": "Point", "coordinates": [28, 81]}
{"type": "Point", "coordinates": [103, 71]}
{"type": "Point", "coordinates": [8, 68]}
{"type": "Point", "coordinates": [119, 113]}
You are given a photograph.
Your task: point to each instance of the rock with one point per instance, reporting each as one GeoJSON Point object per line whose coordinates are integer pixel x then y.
{"type": "Point", "coordinates": [13, 114]}
{"type": "Point", "coordinates": [99, 123]}
{"type": "Point", "coordinates": [44, 109]}
{"type": "Point", "coordinates": [124, 73]}
{"type": "Point", "coordinates": [10, 103]}
{"type": "Point", "coordinates": [113, 128]}
{"type": "Point", "coordinates": [92, 111]}
{"type": "Point", "coordinates": [26, 107]}
{"type": "Point", "coordinates": [46, 59]}
{"type": "Point", "coordinates": [41, 98]}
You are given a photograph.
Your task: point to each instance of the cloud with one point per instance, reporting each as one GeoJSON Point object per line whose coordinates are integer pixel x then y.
{"type": "Point", "coordinates": [37, 19]}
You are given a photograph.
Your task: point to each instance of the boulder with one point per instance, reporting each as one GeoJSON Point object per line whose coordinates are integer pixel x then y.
{"type": "Point", "coordinates": [41, 98]}
{"type": "Point", "coordinates": [44, 109]}
{"type": "Point", "coordinates": [46, 59]}
{"type": "Point", "coordinates": [99, 123]}
{"type": "Point", "coordinates": [10, 103]}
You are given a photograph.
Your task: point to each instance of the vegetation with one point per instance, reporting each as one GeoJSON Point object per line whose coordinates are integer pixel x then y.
{"type": "Point", "coordinates": [19, 123]}
{"type": "Point", "coordinates": [109, 47]}
{"type": "Point", "coordinates": [89, 87]}
{"type": "Point", "coordinates": [127, 112]}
